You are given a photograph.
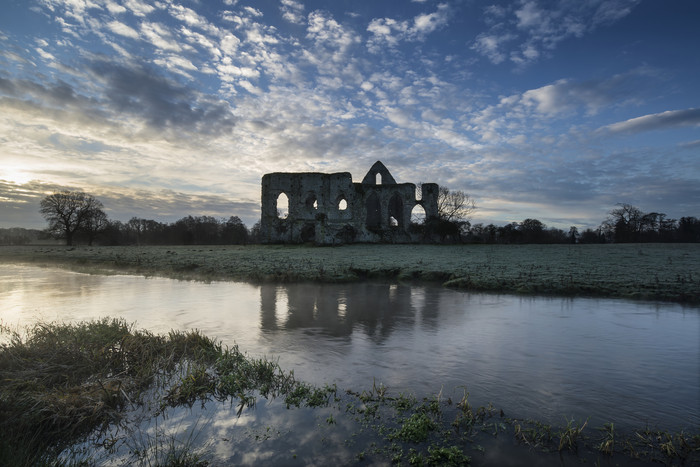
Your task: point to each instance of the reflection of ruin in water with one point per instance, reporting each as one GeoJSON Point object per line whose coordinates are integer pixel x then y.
{"type": "Point", "coordinates": [336, 310]}
{"type": "Point", "coordinates": [330, 209]}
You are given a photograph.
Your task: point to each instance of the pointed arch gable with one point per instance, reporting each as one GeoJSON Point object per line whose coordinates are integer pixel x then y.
{"type": "Point", "coordinates": [378, 169]}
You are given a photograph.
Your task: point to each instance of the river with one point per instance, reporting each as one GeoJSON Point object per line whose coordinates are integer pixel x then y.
{"type": "Point", "coordinates": [631, 363]}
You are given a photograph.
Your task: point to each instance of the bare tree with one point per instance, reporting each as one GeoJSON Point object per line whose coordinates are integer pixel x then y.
{"type": "Point", "coordinates": [624, 223]}
{"type": "Point", "coordinates": [454, 206]}
{"type": "Point", "coordinates": [68, 212]}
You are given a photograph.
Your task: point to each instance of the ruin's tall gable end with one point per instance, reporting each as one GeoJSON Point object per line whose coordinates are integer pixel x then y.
{"type": "Point", "coordinates": [330, 209]}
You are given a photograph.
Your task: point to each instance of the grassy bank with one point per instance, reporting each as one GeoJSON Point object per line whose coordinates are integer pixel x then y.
{"type": "Point", "coordinates": [62, 384]}
{"type": "Point", "coordinates": [669, 272]}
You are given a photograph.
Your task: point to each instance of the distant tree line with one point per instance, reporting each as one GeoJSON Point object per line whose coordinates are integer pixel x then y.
{"type": "Point", "coordinates": [21, 236]}
{"type": "Point", "coordinates": [79, 217]}
{"type": "Point", "coordinates": [624, 224]}
{"type": "Point", "coordinates": [75, 216]}
{"type": "Point", "coordinates": [199, 230]}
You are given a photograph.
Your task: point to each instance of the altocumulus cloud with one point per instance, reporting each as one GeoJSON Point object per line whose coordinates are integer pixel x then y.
{"type": "Point", "coordinates": [160, 102]}
{"type": "Point", "coordinates": [149, 99]}
{"type": "Point", "coordinates": [180, 106]}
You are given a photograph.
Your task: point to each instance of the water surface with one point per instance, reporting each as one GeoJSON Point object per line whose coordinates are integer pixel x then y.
{"type": "Point", "coordinates": [632, 363]}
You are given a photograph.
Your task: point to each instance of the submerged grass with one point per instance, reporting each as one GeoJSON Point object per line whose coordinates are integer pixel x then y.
{"type": "Point", "coordinates": [60, 382]}
{"type": "Point", "coordinates": [668, 272]}
{"type": "Point", "coordinates": [63, 381]}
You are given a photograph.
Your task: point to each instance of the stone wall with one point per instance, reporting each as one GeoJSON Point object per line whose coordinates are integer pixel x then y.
{"type": "Point", "coordinates": [329, 209]}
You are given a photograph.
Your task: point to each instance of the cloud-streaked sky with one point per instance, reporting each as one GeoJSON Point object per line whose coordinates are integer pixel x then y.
{"type": "Point", "coordinates": [555, 110]}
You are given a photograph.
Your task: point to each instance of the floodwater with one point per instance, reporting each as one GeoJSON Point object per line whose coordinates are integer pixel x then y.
{"type": "Point", "coordinates": [635, 364]}
{"type": "Point", "coordinates": [630, 362]}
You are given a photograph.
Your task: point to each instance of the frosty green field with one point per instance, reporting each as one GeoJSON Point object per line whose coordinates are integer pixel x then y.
{"type": "Point", "coordinates": [669, 272]}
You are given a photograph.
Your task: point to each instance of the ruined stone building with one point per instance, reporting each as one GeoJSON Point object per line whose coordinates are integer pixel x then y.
{"type": "Point", "coordinates": [330, 209]}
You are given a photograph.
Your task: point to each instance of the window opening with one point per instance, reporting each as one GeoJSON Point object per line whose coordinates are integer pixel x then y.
{"type": "Point", "coordinates": [342, 204]}
{"type": "Point", "coordinates": [418, 214]}
{"type": "Point", "coordinates": [378, 179]}
{"type": "Point", "coordinates": [282, 206]}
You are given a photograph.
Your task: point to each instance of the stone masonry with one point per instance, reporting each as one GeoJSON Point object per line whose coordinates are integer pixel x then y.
{"type": "Point", "coordinates": [329, 209]}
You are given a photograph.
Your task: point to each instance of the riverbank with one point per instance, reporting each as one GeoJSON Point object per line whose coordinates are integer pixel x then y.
{"type": "Point", "coordinates": [667, 272]}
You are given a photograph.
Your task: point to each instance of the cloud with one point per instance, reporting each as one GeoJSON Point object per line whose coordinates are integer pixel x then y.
{"type": "Point", "coordinates": [123, 96]}
{"type": "Point", "coordinates": [160, 37]}
{"type": "Point", "coordinates": [659, 121]}
{"type": "Point", "coordinates": [492, 46]}
{"type": "Point", "coordinates": [136, 90]}
{"type": "Point", "coordinates": [389, 32]}
{"type": "Point", "coordinates": [137, 7]}
{"type": "Point", "coordinates": [292, 11]}
{"type": "Point", "coordinates": [21, 203]}
{"type": "Point", "coordinates": [610, 11]}
{"type": "Point", "coordinates": [549, 108]}
{"type": "Point", "coordinates": [45, 55]}
{"type": "Point", "coordinates": [115, 8]}
{"type": "Point", "coordinates": [326, 31]}
{"type": "Point", "coordinates": [122, 29]}
{"type": "Point", "coordinates": [525, 31]}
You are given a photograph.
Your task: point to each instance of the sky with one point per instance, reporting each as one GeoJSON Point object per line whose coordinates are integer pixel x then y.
{"type": "Point", "coordinates": [554, 110]}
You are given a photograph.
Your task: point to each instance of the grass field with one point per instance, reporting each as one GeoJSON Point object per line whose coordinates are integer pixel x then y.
{"type": "Point", "coordinates": [669, 272]}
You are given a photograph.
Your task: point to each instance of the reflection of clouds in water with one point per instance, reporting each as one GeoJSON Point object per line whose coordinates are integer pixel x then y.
{"type": "Point", "coordinates": [267, 434]}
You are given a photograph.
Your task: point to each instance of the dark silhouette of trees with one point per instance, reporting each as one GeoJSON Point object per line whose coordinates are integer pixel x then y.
{"type": "Point", "coordinates": [21, 236]}
{"type": "Point", "coordinates": [454, 210]}
{"type": "Point", "coordinates": [255, 235]}
{"type": "Point", "coordinates": [625, 223]}
{"type": "Point", "coordinates": [532, 231]}
{"type": "Point", "coordinates": [573, 234]}
{"type": "Point", "coordinates": [234, 231]}
{"type": "Point", "coordinates": [454, 206]}
{"type": "Point", "coordinates": [592, 236]}
{"type": "Point", "coordinates": [95, 225]}
{"type": "Point", "coordinates": [69, 212]}
{"type": "Point", "coordinates": [689, 229]}
{"type": "Point", "coordinates": [78, 216]}
{"type": "Point", "coordinates": [74, 215]}
{"type": "Point", "coordinates": [189, 230]}
{"type": "Point", "coordinates": [628, 223]}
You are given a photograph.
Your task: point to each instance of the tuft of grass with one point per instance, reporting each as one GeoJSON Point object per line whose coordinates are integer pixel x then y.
{"type": "Point", "coordinates": [444, 456]}
{"type": "Point", "coordinates": [60, 382]}
{"type": "Point", "coordinates": [539, 435]}
{"type": "Point", "coordinates": [607, 444]}
{"type": "Point", "coordinates": [415, 428]}
{"type": "Point", "coordinates": [570, 435]}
